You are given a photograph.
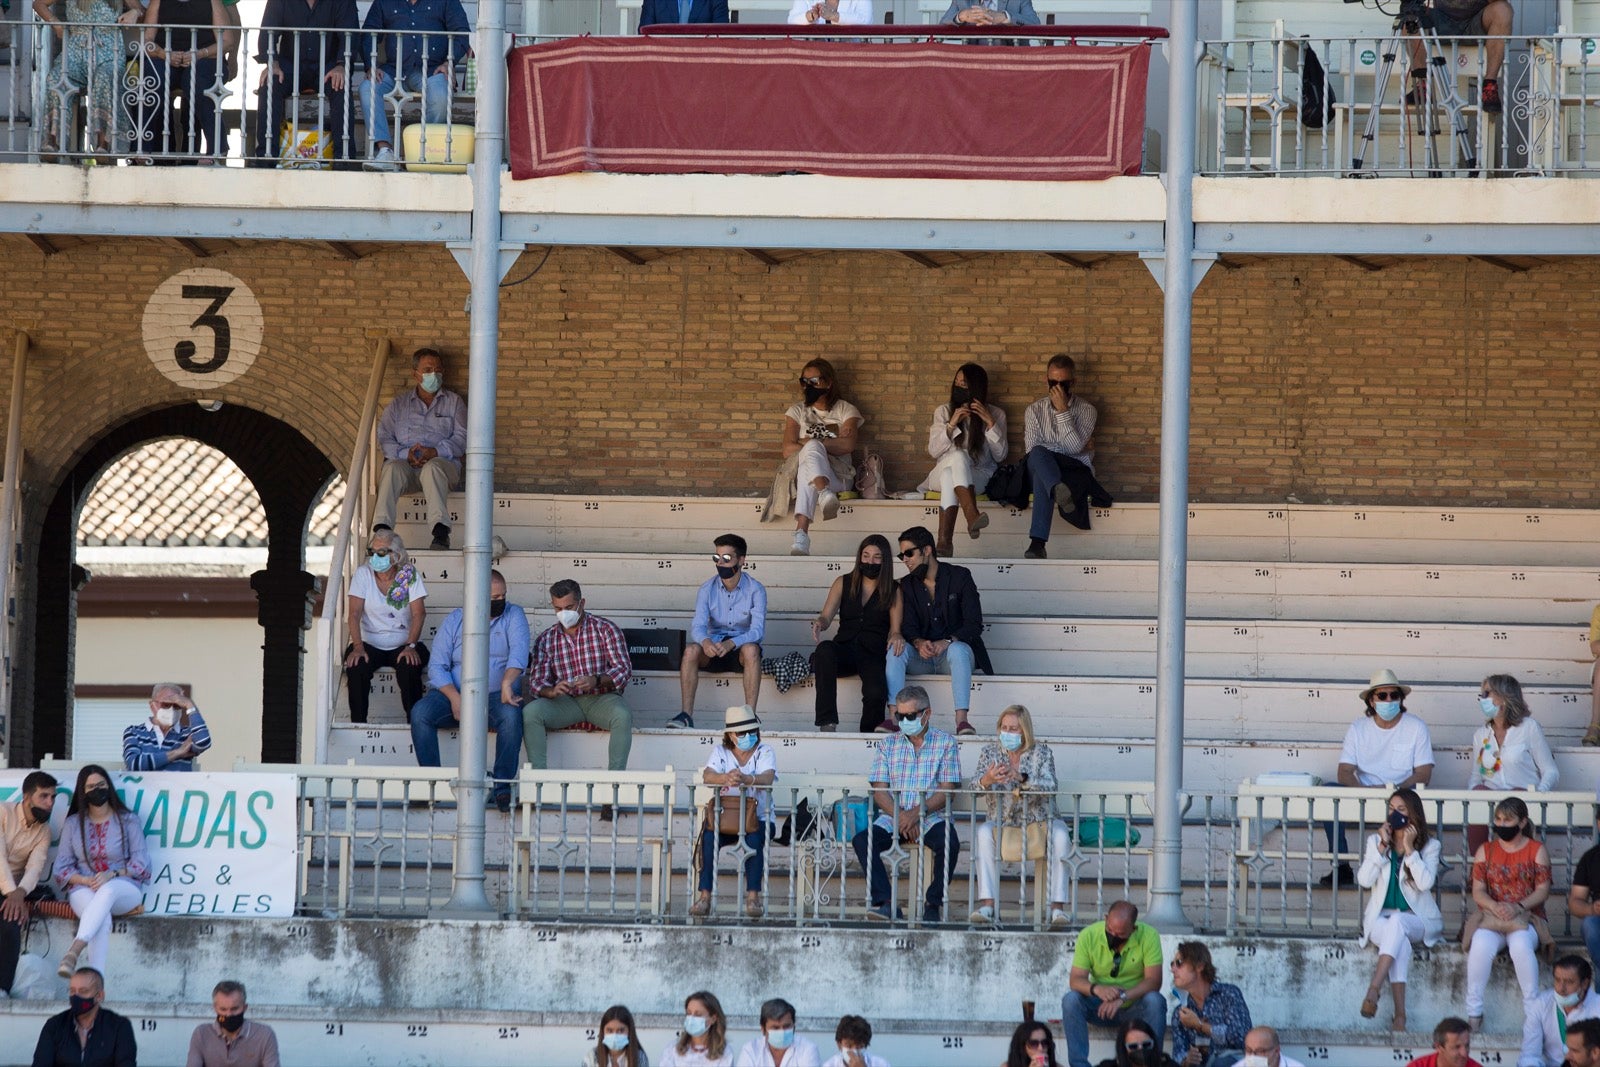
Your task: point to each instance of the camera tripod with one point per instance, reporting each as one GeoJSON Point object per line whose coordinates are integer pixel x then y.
{"type": "Point", "coordinates": [1437, 89]}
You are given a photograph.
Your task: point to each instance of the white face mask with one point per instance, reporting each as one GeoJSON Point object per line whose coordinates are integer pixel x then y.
{"type": "Point", "coordinates": [569, 617]}
{"type": "Point", "coordinates": [165, 717]}
{"type": "Point", "coordinates": [1567, 1000]}
{"type": "Point", "coordinates": [1253, 1061]}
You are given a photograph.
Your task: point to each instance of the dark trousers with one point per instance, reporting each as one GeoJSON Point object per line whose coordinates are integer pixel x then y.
{"type": "Point", "coordinates": [940, 839]}
{"type": "Point", "coordinates": [710, 842]}
{"type": "Point", "coordinates": [11, 942]}
{"type": "Point", "coordinates": [409, 678]}
{"type": "Point", "coordinates": [835, 659]}
{"type": "Point", "coordinates": [272, 102]}
{"type": "Point", "coordinates": [1047, 469]}
{"type": "Point", "coordinates": [165, 131]}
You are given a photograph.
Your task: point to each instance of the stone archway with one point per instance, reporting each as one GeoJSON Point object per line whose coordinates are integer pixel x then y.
{"type": "Point", "coordinates": [289, 474]}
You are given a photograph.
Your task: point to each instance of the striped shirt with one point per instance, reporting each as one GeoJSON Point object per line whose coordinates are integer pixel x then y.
{"type": "Point", "coordinates": [1068, 432]}
{"type": "Point", "coordinates": [598, 647]}
{"type": "Point", "coordinates": [145, 747]}
{"type": "Point", "coordinates": [912, 772]}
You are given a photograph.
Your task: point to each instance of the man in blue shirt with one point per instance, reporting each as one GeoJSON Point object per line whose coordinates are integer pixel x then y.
{"type": "Point", "coordinates": [422, 60]}
{"type": "Point", "coordinates": [171, 738]}
{"type": "Point", "coordinates": [730, 618]}
{"type": "Point", "coordinates": [423, 435]}
{"type": "Point", "coordinates": [509, 645]}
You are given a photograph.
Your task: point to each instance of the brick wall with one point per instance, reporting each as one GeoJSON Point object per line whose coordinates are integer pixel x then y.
{"type": "Point", "coordinates": [1447, 381]}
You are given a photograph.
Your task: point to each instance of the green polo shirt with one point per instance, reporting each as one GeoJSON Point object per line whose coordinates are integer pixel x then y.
{"type": "Point", "coordinates": [1093, 954]}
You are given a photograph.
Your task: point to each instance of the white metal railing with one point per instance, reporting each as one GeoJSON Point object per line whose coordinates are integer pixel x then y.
{"type": "Point", "coordinates": [1378, 120]}
{"type": "Point", "coordinates": [153, 95]}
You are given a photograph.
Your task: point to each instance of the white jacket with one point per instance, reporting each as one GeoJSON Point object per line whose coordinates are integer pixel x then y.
{"type": "Point", "coordinates": [1418, 889]}
{"type": "Point", "coordinates": [1541, 1036]}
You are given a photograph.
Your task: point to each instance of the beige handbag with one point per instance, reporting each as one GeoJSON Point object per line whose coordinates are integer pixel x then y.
{"type": "Point", "coordinates": [1031, 841]}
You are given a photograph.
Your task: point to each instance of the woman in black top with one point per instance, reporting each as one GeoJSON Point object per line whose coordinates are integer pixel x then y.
{"type": "Point", "coordinates": [181, 49]}
{"type": "Point", "coordinates": [862, 599]}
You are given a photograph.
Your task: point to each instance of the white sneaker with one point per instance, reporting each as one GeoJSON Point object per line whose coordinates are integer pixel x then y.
{"type": "Point", "coordinates": [383, 160]}
{"type": "Point", "coordinates": [1058, 919]}
{"type": "Point", "coordinates": [984, 916]}
{"type": "Point", "coordinates": [802, 544]}
{"type": "Point", "coordinates": [828, 504]}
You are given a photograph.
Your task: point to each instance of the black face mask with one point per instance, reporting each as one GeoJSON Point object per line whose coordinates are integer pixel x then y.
{"type": "Point", "coordinates": [1506, 833]}
{"type": "Point", "coordinates": [97, 797]}
{"type": "Point", "coordinates": [231, 1023]}
{"type": "Point", "coordinates": [960, 397]}
{"type": "Point", "coordinates": [814, 393]}
{"type": "Point", "coordinates": [1140, 1057]}
{"type": "Point", "coordinates": [81, 1005]}
{"type": "Point", "coordinates": [1398, 820]}
{"type": "Point", "coordinates": [870, 570]}
{"type": "Point", "coordinates": [40, 815]}
{"type": "Point", "coordinates": [727, 572]}
{"type": "Point", "coordinates": [919, 573]}
{"type": "Point", "coordinates": [497, 608]}
{"type": "Point", "coordinates": [1115, 943]}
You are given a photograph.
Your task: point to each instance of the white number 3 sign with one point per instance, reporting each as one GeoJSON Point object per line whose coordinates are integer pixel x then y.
{"type": "Point", "coordinates": [202, 328]}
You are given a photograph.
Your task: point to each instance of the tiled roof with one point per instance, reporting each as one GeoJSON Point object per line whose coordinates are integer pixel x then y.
{"type": "Point", "coordinates": [178, 492]}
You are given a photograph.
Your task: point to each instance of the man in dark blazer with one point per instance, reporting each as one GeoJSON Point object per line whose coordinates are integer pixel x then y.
{"type": "Point", "coordinates": [941, 624]}
{"type": "Point", "coordinates": [975, 13]}
{"type": "Point", "coordinates": [87, 1034]}
{"type": "Point", "coordinates": [697, 11]}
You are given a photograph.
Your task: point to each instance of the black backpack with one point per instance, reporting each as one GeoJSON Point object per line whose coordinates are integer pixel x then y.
{"type": "Point", "coordinates": [1316, 90]}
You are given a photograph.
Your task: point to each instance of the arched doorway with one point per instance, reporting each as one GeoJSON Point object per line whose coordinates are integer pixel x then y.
{"type": "Point", "coordinates": [288, 472]}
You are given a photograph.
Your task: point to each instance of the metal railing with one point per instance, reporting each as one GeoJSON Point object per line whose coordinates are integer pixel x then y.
{"type": "Point", "coordinates": [300, 99]}
{"type": "Point", "coordinates": [1260, 114]}
{"type": "Point", "coordinates": [628, 846]}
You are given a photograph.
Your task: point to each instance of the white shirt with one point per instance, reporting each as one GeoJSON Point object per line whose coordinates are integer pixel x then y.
{"type": "Point", "coordinates": [693, 1058]}
{"type": "Point", "coordinates": [872, 1059]}
{"type": "Point", "coordinates": [763, 759]}
{"type": "Point", "coordinates": [1541, 1034]}
{"type": "Point", "coordinates": [757, 1054]}
{"type": "Point", "coordinates": [382, 624]}
{"type": "Point", "coordinates": [1387, 756]}
{"type": "Point", "coordinates": [851, 13]}
{"type": "Point", "coordinates": [1287, 1061]}
{"type": "Point", "coordinates": [1525, 759]}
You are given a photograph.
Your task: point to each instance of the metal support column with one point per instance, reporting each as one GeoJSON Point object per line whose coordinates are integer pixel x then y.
{"type": "Point", "coordinates": [1166, 875]}
{"type": "Point", "coordinates": [477, 688]}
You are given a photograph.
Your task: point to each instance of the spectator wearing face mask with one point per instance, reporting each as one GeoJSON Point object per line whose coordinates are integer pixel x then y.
{"type": "Point", "coordinates": [580, 671]}
{"type": "Point", "coordinates": [171, 738]}
{"type": "Point", "coordinates": [852, 1036]}
{"type": "Point", "coordinates": [1138, 1045]}
{"type": "Point", "coordinates": [1019, 778]}
{"type": "Point", "coordinates": [745, 768]}
{"type": "Point", "coordinates": [618, 1043]}
{"type": "Point", "coordinates": [1385, 747]}
{"type": "Point", "coordinates": [1550, 1016]}
{"type": "Point", "coordinates": [778, 1046]}
{"type": "Point", "coordinates": [87, 1034]}
{"type": "Point", "coordinates": [967, 440]}
{"type": "Point", "coordinates": [1399, 866]}
{"type": "Point", "coordinates": [423, 435]}
{"type": "Point", "coordinates": [388, 605]}
{"type": "Point", "coordinates": [1115, 981]}
{"type": "Point", "coordinates": [1261, 1049]}
{"type": "Point", "coordinates": [704, 1039]}
{"type": "Point", "coordinates": [102, 864]}
{"type": "Point", "coordinates": [232, 1040]}
{"type": "Point", "coordinates": [819, 443]}
{"type": "Point", "coordinates": [24, 858]}
{"type": "Point", "coordinates": [441, 708]}
{"type": "Point", "coordinates": [1509, 751]}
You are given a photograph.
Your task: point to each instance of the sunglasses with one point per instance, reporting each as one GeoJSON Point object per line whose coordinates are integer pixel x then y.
{"type": "Point", "coordinates": [1387, 694]}
{"type": "Point", "coordinates": [1039, 1042]}
{"type": "Point", "coordinates": [1483, 695]}
{"type": "Point", "coordinates": [168, 704]}
{"type": "Point", "coordinates": [910, 552]}
{"type": "Point", "coordinates": [812, 381]}
{"type": "Point", "coordinates": [1056, 383]}
{"type": "Point", "coordinates": [1139, 1046]}
{"type": "Point", "coordinates": [907, 718]}
{"type": "Point", "coordinates": [723, 557]}
{"type": "Point", "coordinates": [384, 552]}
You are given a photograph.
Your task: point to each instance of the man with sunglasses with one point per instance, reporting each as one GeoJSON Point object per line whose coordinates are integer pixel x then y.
{"type": "Point", "coordinates": [730, 619]}
{"type": "Point", "coordinates": [941, 624]}
{"type": "Point", "coordinates": [913, 774]}
{"type": "Point", "coordinates": [171, 738]}
{"type": "Point", "coordinates": [1058, 437]}
{"type": "Point", "coordinates": [1116, 970]}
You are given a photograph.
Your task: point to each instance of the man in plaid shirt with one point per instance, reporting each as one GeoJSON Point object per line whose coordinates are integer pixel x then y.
{"type": "Point", "coordinates": [580, 670]}
{"type": "Point", "coordinates": [912, 775]}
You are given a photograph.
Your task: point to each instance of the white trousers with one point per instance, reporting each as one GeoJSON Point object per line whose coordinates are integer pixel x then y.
{"type": "Point", "coordinates": [1394, 933]}
{"type": "Point", "coordinates": [435, 479]}
{"type": "Point", "coordinates": [95, 909]}
{"type": "Point", "coordinates": [953, 469]}
{"type": "Point", "coordinates": [1486, 945]}
{"type": "Point", "coordinates": [987, 863]}
{"type": "Point", "coordinates": [813, 464]}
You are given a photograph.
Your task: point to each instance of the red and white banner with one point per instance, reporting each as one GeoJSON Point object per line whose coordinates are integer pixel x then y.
{"type": "Point", "coordinates": [693, 105]}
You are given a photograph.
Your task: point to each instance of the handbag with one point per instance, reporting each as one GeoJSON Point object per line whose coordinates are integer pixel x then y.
{"type": "Point", "coordinates": [1488, 920]}
{"type": "Point", "coordinates": [1110, 832]}
{"type": "Point", "coordinates": [869, 480]}
{"type": "Point", "coordinates": [1030, 842]}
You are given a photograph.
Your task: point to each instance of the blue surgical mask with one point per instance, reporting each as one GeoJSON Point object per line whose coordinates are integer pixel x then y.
{"type": "Point", "coordinates": [1567, 1000]}
{"type": "Point", "coordinates": [1388, 710]}
{"type": "Point", "coordinates": [1010, 741]}
{"type": "Point", "coordinates": [694, 1025]}
{"type": "Point", "coordinates": [615, 1042]}
{"type": "Point", "coordinates": [1486, 704]}
{"type": "Point", "coordinates": [432, 381]}
{"type": "Point", "coordinates": [747, 741]}
{"type": "Point", "coordinates": [379, 563]}
{"type": "Point", "coordinates": [781, 1038]}
{"type": "Point", "coordinates": [911, 727]}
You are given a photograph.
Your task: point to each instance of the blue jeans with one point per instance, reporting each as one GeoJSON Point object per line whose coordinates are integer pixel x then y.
{"type": "Point", "coordinates": [955, 661]}
{"type": "Point", "coordinates": [940, 839]}
{"type": "Point", "coordinates": [1046, 470]}
{"type": "Point", "coordinates": [436, 99]}
{"type": "Point", "coordinates": [432, 714]}
{"type": "Point", "coordinates": [1079, 1011]}
{"type": "Point", "coordinates": [1591, 935]}
{"type": "Point", "coordinates": [710, 842]}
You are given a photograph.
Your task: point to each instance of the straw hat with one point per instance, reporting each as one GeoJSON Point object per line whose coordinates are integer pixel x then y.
{"type": "Point", "coordinates": [1383, 679]}
{"type": "Point", "coordinates": [740, 720]}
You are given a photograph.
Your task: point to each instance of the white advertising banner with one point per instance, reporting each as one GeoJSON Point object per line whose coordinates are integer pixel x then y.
{"type": "Point", "coordinates": [220, 844]}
